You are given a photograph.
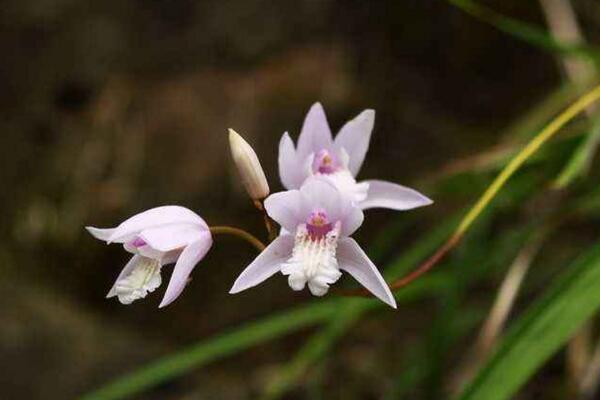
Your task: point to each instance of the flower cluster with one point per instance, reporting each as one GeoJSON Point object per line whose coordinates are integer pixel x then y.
{"type": "Point", "coordinates": [321, 208]}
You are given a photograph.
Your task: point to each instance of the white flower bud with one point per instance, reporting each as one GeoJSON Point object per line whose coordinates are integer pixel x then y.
{"type": "Point", "coordinates": [246, 161]}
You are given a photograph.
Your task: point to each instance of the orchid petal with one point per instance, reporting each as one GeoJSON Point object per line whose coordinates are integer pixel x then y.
{"type": "Point", "coordinates": [315, 134]}
{"type": "Point", "coordinates": [288, 163]}
{"type": "Point", "coordinates": [390, 195]}
{"type": "Point", "coordinates": [352, 259]}
{"type": "Point", "coordinates": [354, 138]}
{"type": "Point", "coordinates": [285, 209]}
{"type": "Point", "coordinates": [131, 264]}
{"type": "Point", "coordinates": [149, 252]}
{"type": "Point", "coordinates": [155, 217]}
{"type": "Point", "coordinates": [352, 221]}
{"type": "Point", "coordinates": [98, 233]}
{"type": "Point", "coordinates": [266, 264]}
{"type": "Point", "coordinates": [170, 257]}
{"type": "Point", "coordinates": [170, 237]}
{"type": "Point", "coordinates": [319, 192]}
{"type": "Point", "coordinates": [190, 256]}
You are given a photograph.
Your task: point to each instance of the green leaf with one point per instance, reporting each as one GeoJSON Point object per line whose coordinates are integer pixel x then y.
{"type": "Point", "coordinates": [582, 158]}
{"type": "Point", "coordinates": [222, 345]}
{"type": "Point", "coordinates": [529, 33]}
{"type": "Point", "coordinates": [216, 348]}
{"type": "Point", "coordinates": [541, 331]}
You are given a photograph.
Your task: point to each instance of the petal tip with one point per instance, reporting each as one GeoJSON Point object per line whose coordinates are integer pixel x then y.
{"type": "Point", "coordinates": [165, 302]}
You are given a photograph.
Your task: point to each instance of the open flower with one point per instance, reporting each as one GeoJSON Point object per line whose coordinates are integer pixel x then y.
{"type": "Point", "coordinates": [157, 237]}
{"type": "Point", "coordinates": [314, 246]}
{"type": "Point", "coordinates": [340, 160]}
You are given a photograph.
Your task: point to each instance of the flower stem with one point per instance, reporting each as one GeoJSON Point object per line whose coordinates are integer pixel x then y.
{"type": "Point", "coordinates": [268, 221]}
{"type": "Point", "coordinates": [240, 233]}
{"type": "Point", "coordinates": [490, 193]}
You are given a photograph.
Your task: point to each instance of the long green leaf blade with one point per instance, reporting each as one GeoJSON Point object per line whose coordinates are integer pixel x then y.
{"type": "Point", "coordinates": [541, 331]}
{"type": "Point", "coordinates": [215, 348]}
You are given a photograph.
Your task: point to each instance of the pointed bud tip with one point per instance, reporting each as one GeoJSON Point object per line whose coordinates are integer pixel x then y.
{"type": "Point", "coordinates": [248, 165]}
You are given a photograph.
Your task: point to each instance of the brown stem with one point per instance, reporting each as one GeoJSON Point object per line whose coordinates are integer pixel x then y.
{"type": "Point", "coordinates": [420, 270]}
{"type": "Point", "coordinates": [271, 231]}
{"type": "Point", "coordinates": [242, 234]}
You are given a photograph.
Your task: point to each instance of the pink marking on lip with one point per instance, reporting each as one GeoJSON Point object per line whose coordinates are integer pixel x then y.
{"type": "Point", "coordinates": [318, 224]}
{"type": "Point", "coordinates": [138, 242]}
{"type": "Point", "coordinates": [325, 162]}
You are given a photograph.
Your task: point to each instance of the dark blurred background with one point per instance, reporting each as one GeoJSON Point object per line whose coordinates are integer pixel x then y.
{"type": "Point", "coordinates": [109, 108]}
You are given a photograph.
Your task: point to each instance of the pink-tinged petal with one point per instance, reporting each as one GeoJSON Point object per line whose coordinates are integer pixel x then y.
{"type": "Point", "coordinates": [170, 237]}
{"type": "Point", "coordinates": [266, 264]}
{"type": "Point", "coordinates": [354, 138]}
{"type": "Point", "coordinates": [320, 193]}
{"type": "Point", "coordinates": [149, 252]}
{"type": "Point", "coordinates": [153, 218]}
{"type": "Point", "coordinates": [315, 134]}
{"type": "Point", "coordinates": [285, 209]}
{"type": "Point", "coordinates": [190, 256]}
{"type": "Point", "coordinates": [290, 170]}
{"type": "Point", "coordinates": [101, 234]}
{"type": "Point", "coordinates": [390, 195]}
{"type": "Point", "coordinates": [352, 221]}
{"type": "Point", "coordinates": [170, 257]}
{"type": "Point", "coordinates": [124, 272]}
{"type": "Point", "coordinates": [352, 259]}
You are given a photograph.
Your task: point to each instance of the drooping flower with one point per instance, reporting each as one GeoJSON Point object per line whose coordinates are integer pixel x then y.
{"type": "Point", "coordinates": [157, 237]}
{"type": "Point", "coordinates": [315, 244]}
{"type": "Point", "coordinates": [250, 170]}
{"type": "Point", "coordinates": [339, 160]}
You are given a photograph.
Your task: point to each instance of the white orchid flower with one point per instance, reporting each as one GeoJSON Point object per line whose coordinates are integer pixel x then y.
{"type": "Point", "coordinates": [315, 243]}
{"type": "Point", "coordinates": [157, 237]}
{"type": "Point", "coordinates": [340, 160]}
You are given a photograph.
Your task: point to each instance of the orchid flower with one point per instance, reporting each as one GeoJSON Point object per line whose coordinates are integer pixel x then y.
{"type": "Point", "coordinates": [340, 160]}
{"type": "Point", "coordinates": [317, 221]}
{"type": "Point", "coordinates": [157, 237]}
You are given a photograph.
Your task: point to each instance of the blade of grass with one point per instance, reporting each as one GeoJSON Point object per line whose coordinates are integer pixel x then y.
{"type": "Point", "coordinates": [526, 32]}
{"type": "Point", "coordinates": [317, 346]}
{"type": "Point", "coordinates": [563, 23]}
{"type": "Point", "coordinates": [490, 193]}
{"type": "Point", "coordinates": [541, 331]}
{"type": "Point", "coordinates": [213, 349]}
{"type": "Point", "coordinates": [582, 158]}
{"type": "Point", "coordinates": [322, 341]}
{"type": "Point", "coordinates": [242, 338]}
{"type": "Point", "coordinates": [550, 130]}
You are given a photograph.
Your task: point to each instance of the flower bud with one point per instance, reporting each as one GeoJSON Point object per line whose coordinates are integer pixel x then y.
{"type": "Point", "coordinates": [246, 161]}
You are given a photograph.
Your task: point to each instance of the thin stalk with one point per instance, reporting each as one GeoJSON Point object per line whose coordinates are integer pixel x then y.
{"type": "Point", "coordinates": [496, 319]}
{"type": "Point", "coordinates": [490, 193]}
{"type": "Point", "coordinates": [563, 24]}
{"type": "Point", "coordinates": [588, 386]}
{"type": "Point", "coordinates": [271, 231]}
{"type": "Point", "coordinates": [240, 233]}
